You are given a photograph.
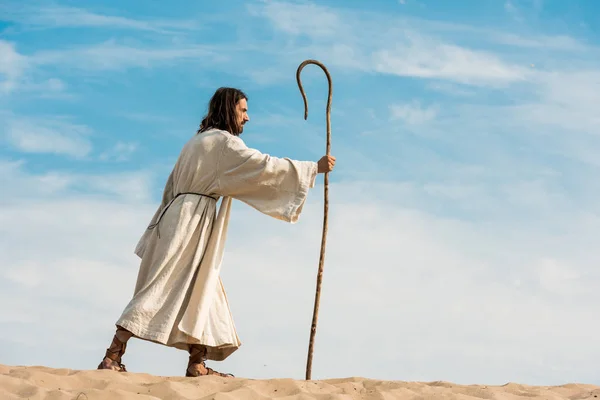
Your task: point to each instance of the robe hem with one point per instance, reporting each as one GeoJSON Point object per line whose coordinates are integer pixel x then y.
{"type": "Point", "coordinates": [215, 353]}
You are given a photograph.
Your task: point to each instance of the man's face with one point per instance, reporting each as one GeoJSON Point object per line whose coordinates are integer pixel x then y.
{"type": "Point", "coordinates": [242, 113]}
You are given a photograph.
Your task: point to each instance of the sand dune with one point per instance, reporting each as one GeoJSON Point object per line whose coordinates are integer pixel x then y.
{"type": "Point", "coordinates": [58, 384]}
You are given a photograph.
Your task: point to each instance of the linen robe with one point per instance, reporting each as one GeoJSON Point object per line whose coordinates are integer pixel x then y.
{"type": "Point", "coordinates": [179, 299]}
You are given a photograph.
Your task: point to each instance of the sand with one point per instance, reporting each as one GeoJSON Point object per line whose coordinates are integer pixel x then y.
{"type": "Point", "coordinates": [57, 384]}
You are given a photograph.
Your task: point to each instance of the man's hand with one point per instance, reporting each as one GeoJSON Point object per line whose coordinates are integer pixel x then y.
{"type": "Point", "coordinates": [326, 164]}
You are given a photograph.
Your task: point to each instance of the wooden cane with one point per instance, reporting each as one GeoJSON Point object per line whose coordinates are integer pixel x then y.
{"type": "Point", "coordinates": [313, 328]}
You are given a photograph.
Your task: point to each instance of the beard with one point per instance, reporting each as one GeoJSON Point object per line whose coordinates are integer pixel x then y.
{"type": "Point", "coordinates": [240, 129]}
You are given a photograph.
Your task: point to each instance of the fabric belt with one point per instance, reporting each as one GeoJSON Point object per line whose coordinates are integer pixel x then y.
{"type": "Point", "coordinates": [162, 212]}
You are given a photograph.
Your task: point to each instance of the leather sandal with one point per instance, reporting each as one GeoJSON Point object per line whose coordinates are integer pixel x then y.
{"type": "Point", "coordinates": [112, 358]}
{"type": "Point", "coordinates": [196, 366]}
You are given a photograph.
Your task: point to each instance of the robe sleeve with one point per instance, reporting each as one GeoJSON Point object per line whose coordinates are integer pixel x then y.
{"type": "Point", "coordinates": [277, 187]}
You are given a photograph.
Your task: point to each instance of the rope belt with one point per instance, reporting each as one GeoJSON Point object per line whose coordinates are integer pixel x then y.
{"type": "Point", "coordinates": [155, 225]}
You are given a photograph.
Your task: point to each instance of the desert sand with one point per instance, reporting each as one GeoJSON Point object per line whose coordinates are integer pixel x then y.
{"type": "Point", "coordinates": [57, 384]}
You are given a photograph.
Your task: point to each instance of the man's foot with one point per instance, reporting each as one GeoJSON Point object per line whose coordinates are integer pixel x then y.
{"type": "Point", "coordinates": [112, 358]}
{"type": "Point", "coordinates": [196, 366]}
{"type": "Point", "coordinates": [200, 369]}
{"type": "Point", "coordinates": [107, 363]}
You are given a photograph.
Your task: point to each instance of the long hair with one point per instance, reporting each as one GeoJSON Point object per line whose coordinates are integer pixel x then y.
{"type": "Point", "coordinates": [222, 111]}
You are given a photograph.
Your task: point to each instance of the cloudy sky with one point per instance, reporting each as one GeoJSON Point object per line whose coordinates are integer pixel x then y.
{"type": "Point", "coordinates": [464, 205]}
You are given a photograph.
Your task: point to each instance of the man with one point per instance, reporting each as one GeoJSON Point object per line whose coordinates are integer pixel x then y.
{"type": "Point", "coordinates": [179, 300]}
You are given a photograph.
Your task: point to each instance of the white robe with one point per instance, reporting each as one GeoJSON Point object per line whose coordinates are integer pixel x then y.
{"type": "Point", "coordinates": [179, 298]}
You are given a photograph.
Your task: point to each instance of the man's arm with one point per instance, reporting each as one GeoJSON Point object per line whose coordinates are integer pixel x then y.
{"type": "Point", "coordinates": [274, 186]}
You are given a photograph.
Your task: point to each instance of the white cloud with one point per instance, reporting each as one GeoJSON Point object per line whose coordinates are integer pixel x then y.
{"type": "Point", "coordinates": [573, 94]}
{"type": "Point", "coordinates": [397, 47]}
{"type": "Point", "coordinates": [26, 275]}
{"type": "Point", "coordinates": [131, 186]}
{"type": "Point", "coordinates": [110, 55]}
{"type": "Point", "coordinates": [451, 88]}
{"type": "Point", "coordinates": [12, 67]}
{"type": "Point", "coordinates": [521, 10]}
{"type": "Point", "coordinates": [449, 62]}
{"type": "Point", "coordinates": [15, 75]}
{"type": "Point", "coordinates": [121, 151]}
{"type": "Point", "coordinates": [412, 113]}
{"type": "Point", "coordinates": [300, 19]}
{"type": "Point", "coordinates": [560, 279]}
{"type": "Point", "coordinates": [49, 135]}
{"type": "Point", "coordinates": [124, 186]}
{"type": "Point", "coordinates": [48, 16]}
{"type": "Point", "coordinates": [511, 9]}
{"type": "Point", "coordinates": [113, 56]}
{"type": "Point", "coordinates": [148, 118]}
{"type": "Point", "coordinates": [561, 42]}
{"type": "Point", "coordinates": [52, 85]}
{"type": "Point", "coordinates": [552, 115]}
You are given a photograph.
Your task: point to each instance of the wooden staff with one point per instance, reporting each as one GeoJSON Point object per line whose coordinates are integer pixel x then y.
{"type": "Point", "coordinates": [313, 328]}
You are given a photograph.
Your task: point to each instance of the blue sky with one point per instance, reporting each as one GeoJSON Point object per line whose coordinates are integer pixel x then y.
{"type": "Point", "coordinates": [464, 210]}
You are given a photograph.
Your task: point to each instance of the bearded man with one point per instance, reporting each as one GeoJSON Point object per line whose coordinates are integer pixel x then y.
{"type": "Point", "coordinates": [179, 300]}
